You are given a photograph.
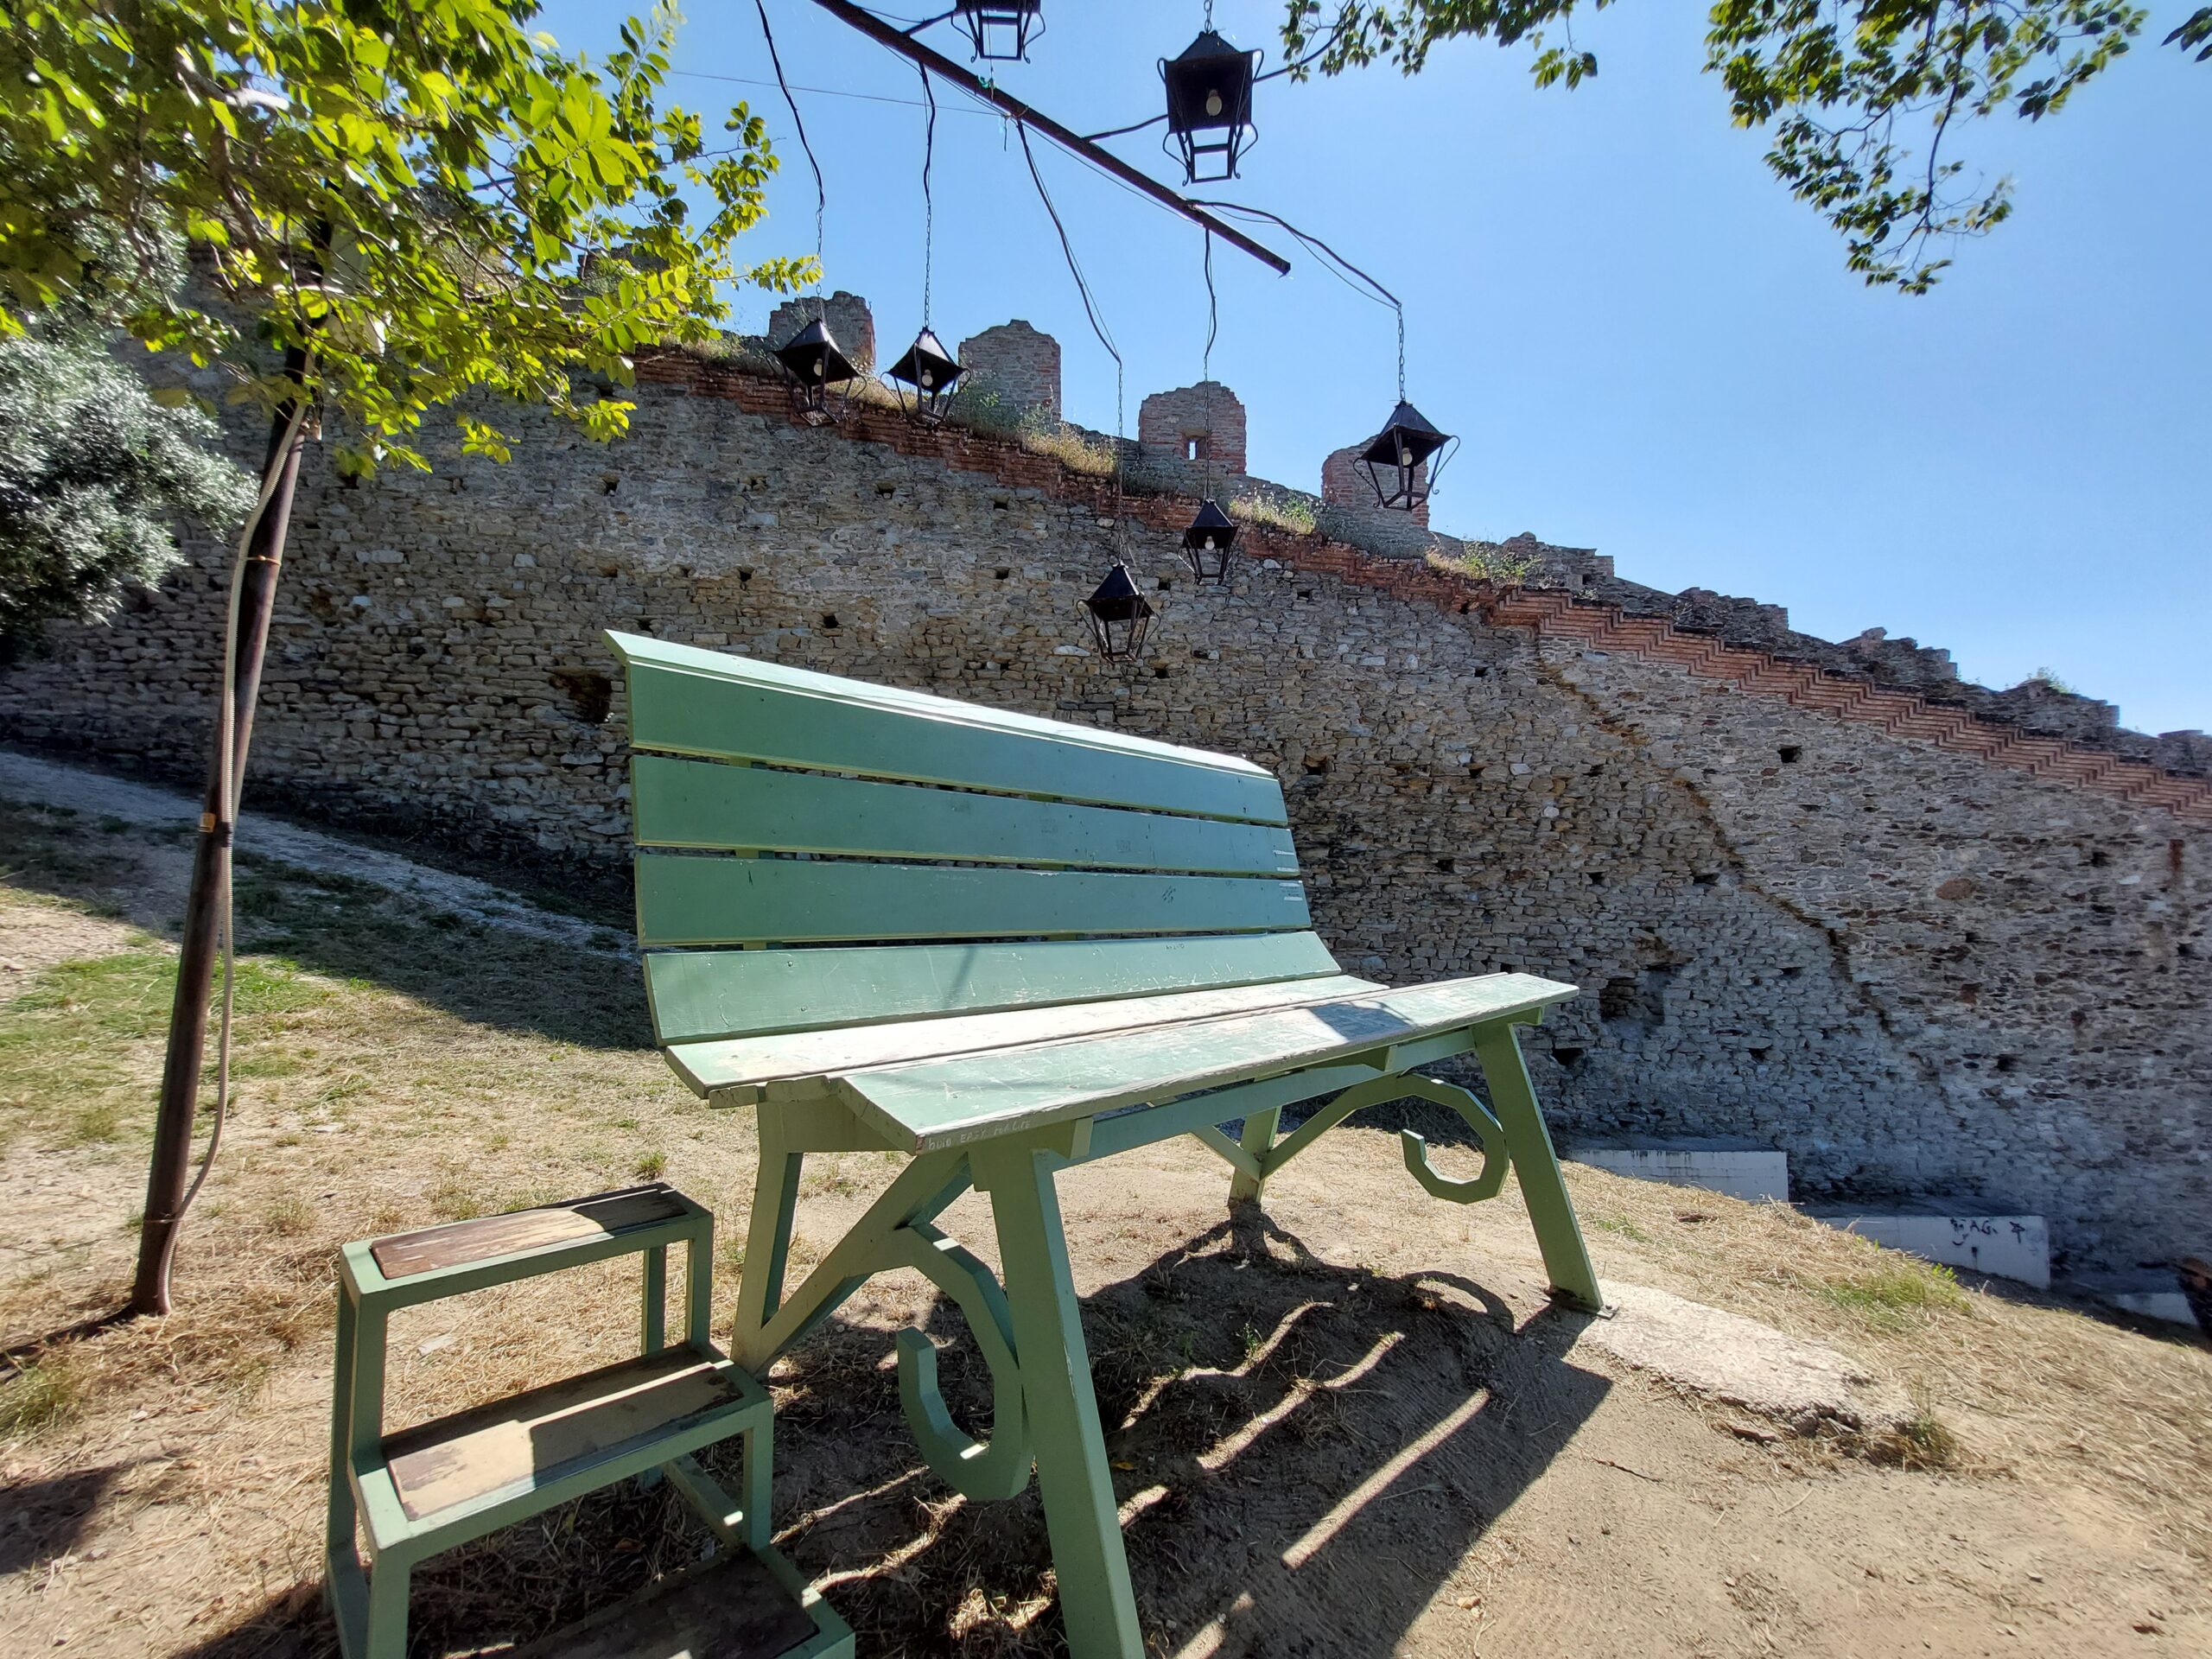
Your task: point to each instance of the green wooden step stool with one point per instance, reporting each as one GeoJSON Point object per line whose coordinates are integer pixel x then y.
{"type": "Point", "coordinates": [423, 1490]}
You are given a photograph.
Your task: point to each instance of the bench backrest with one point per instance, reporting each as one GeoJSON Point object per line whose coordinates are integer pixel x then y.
{"type": "Point", "coordinates": [816, 852]}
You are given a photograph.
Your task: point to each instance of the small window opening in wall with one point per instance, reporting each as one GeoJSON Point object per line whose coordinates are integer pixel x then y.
{"type": "Point", "coordinates": [1589, 581]}
{"type": "Point", "coordinates": [1196, 447]}
{"type": "Point", "coordinates": [1306, 593]}
{"type": "Point", "coordinates": [1479, 674]}
{"type": "Point", "coordinates": [1317, 765]}
{"type": "Point", "coordinates": [1160, 671]}
{"type": "Point", "coordinates": [1792, 972]}
{"type": "Point", "coordinates": [590, 694]}
{"type": "Point", "coordinates": [1166, 585]}
{"type": "Point", "coordinates": [1002, 572]}
{"type": "Point", "coordinates": [1706, 878]}
{"type": "Point", "coordinates": [1569, 1057]}
{"type": "Point", "coordinates": [1790, 753]}
{"type": "Point", "coordinates": [885, 487]}
{"type": "Point", "coordinates": [609, 482]}
{"type": "Point", "coordinates": [1758, 1055]}
{"type": "Point", "coordinates": [1596, 878]}
{"type": "Point", "coordinates": [744, 573]}
{"type": "Point", "coordinates": [2008, 1062]}
{"type": "Point", "coordinates": [1445, 866]}
{"type": "Point", "coordinates": [1001, 503]}
{"type": "Point", "coordinates": [2099, 858]}
{"type": "Point", "coordinates": [1595, 771]}
{"type": "Point", "coordinates": [755, 483]}
{"type": "Point", "coordinates": [829, 621]}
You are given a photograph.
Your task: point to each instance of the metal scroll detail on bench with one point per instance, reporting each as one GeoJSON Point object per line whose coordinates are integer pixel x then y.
{"type": "Point", "coordinates": [1001, 947]}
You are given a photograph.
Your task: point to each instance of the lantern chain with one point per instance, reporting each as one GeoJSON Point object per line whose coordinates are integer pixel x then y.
{"type": "Point", "coordinates": [821, 195]}
{"type": "Point", "coordinates": [1205, 362]}
{"type": "Point", "coordinates": [929, 204]}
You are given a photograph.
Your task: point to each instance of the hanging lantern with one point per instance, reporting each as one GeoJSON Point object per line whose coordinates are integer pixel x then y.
{"type": "Point", "coordinates": [1119, 615]}
{"type": "Point", "coordinates": [927, 372]}
{"type": "Point", "coordinates": [818, 370]}
{"type": "Point", "coordinates": [1397, 462]}
{"type": "Point", "coordinates": [1209, 107]}
{"type": "Point", "coordinates": [1002, 29]}
{"type": "Point", "coordinates": [1209, 545]}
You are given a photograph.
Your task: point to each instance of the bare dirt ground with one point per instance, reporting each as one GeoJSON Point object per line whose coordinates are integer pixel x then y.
{"type": "Point", "coordinates": [1351, 1426]}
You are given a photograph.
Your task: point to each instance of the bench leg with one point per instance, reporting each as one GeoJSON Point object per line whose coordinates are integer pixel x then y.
{"type": "Point", "coordinates": [1097, 1604]}
{"type": "Point", "coordinates": [767, 1247]}
{"type": "Point", "coordinates": [1258, 1139]}
{"type": "Point", "coordinates": [1513, 1098]}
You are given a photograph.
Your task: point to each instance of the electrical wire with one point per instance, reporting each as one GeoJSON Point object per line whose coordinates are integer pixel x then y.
{"type": "Point", "coordinates": [1334, 263]}
{"type": "Point", "coordinates": [227, 796]}
{"type": "Point", "coordinates": [1098, 325]}
{"type": "Point", "coordinates": [821, 195]}
{"type": "Point", "coordinates": [820, 91]}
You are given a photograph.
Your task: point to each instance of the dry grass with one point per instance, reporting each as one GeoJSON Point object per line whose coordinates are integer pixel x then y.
{"type": "Point", "coordinates": [1485, 562]}
{"type": "Point", "coordinates": [2017, 1382]}
{"type": "Point", "coordinates": [1290, 518]}
{"type": "Point", "coordinates": [396, 1069]}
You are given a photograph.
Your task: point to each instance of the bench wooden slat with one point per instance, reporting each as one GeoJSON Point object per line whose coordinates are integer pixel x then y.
{"type": "Point", "coordinates": [403, 1255]}
{"type": "Point", "coordinates": [757, 1060]}
{"type": "Point", "coordinates": [699, 995]}
{"type": "Point", "coordinates": [548, 1433]}
{"type": "Point", "coordinates": [934, 1103]}
{"type": "Point", "coordinates": [927, 739]}
{"type": "Point", "coordinates": [705, 804]}
{"type": "Point", "coordinates": [703, 899]}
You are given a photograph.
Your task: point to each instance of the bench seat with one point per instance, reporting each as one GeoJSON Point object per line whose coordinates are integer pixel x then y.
{"type": "Point", "coordinates": [929, 1104]}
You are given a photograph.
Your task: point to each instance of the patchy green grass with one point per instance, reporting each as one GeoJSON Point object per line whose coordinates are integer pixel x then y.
{"type": "Point", "coordinates": [41, 1395]}
{"type": "Point", "coordinates": [1896, 1294]}
{"type": "Point", "coordinates": [1485, 562]}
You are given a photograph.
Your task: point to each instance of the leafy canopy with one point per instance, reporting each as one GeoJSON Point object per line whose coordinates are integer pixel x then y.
{"type": "Point", "coordinates": [93, 473]}
{"type": "Point", "coordinates": [1861, 95]}
{"type": "Point", "coordinates": [412, 187]}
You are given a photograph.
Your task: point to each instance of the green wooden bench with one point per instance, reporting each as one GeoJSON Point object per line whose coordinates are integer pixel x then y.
{"type": "Point", "coordinates": [1002, 945]}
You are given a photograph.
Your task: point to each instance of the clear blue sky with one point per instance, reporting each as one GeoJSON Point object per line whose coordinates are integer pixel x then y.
{"type": "Point", "coordinates": [1648, 347]}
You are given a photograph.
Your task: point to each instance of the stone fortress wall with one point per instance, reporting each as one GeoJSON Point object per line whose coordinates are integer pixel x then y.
{"type": "Point", "coordinates": [1925, 936]}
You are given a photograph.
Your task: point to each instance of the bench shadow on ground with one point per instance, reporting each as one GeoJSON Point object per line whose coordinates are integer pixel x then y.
{"type": "Point", "coordinates": [1305, 1451]}
{"type": "Point", "coordinates": [348, 928]}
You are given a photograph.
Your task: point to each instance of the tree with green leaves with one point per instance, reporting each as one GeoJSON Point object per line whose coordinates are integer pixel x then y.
{"type": "Point", "coordinates": [394, 203]}
{"type": "Point", "coordinates": [1863, 97]}
{"type": "Point", "coordinates": [94, 474]}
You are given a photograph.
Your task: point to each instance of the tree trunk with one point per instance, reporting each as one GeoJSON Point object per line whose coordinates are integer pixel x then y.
{"type": "Point", "coordinates": [196, 971]}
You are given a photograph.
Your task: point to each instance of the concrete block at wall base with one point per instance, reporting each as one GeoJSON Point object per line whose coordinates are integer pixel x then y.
{"type": "Point", "coordinates": [2150, 1294]}
{"type": "Point", "coordinates": [2008, 1247]}
{"type": "Point", "coordinates": [1742, 1169]}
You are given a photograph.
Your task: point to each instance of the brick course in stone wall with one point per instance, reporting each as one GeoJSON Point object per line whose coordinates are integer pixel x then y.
{"type": "Point", "coordinates": [1919, 951]}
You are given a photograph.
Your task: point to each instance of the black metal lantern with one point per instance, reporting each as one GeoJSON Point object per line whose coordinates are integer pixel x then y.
{"type": "Point", "coordinates": [927, 372]}
{"type": "Point", "coordinates": [1119, 615]}
{"type": "Point", "coordinates": [1002, 29]}
{"type": "Point", "coordinates": [1209, 545]}
{"type": "Point", "coordinates": [818, 370]}
{"type": "Point", "coordinates": [1209, 107]}
{"type": "Point", "coordinates": [1403, 460]}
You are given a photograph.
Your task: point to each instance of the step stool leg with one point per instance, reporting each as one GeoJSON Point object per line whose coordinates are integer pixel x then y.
{"type": "Point", "coordinates": [1535, 1166]}
{"type": "Point", "coordinates": [656, 1300]}
{"type": "Point", "coordinates": [387, 1621]}
{"type": "Point", "coordinates": [1258, 1137]}
{"type": "Point", "coordinates": [760, 1484]}
{"type": "Point", "coordinates": [344, 1585]}
{"type": "Point", "coordinates": [1097, 1605]}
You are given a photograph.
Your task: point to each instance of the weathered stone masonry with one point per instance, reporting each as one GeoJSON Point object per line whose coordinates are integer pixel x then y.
{"type": "Point", "coordinates": [1919, 950]}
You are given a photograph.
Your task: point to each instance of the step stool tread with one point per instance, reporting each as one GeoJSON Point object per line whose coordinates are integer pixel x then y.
{"type": "Point", "coordinates": [733, 1608]}
{"type": "Point", "coordinates": [602, 1215]}
{"type": "Point", "coordinates": [549, 1434]}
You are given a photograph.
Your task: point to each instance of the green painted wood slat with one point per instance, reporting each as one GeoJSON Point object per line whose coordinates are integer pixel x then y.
{"type": "Point", "coordinates": [937, 1103]}
{"type": "Point", "coordinates": [687, 900]}
{"type": "Point", "coordinates": [699, 995]}
{"type": "Point", "coordinates": [730, 718]}
{"type": "Point", "coordinates": [704, 804]}
{"type": "Point", "coordinates": [790, 1055]}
